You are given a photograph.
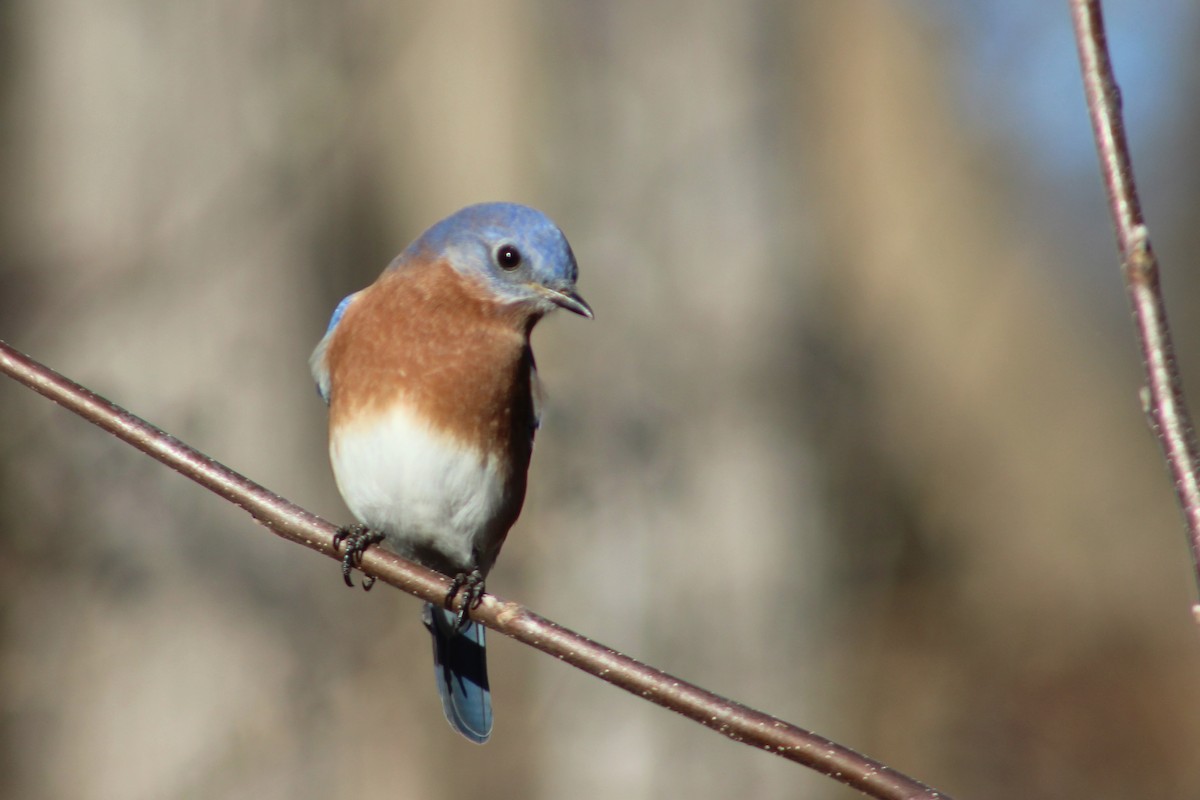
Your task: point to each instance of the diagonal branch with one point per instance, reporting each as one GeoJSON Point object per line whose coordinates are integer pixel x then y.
{"type": "Point", "coordinates": [738, 722]}
{"type": "Point", "coordinates": [1165, 403]}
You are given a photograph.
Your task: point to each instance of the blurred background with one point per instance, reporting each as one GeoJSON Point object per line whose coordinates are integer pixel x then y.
{"type": "Point", "coordinates": [855, 437]}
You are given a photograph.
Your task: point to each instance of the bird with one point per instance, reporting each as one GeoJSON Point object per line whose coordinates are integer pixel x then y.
{"type": "Point", "coordinates": [433, 399]}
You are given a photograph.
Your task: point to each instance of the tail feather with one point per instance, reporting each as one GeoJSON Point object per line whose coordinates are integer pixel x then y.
{"type": "Point", "coordinates": [460, 667]}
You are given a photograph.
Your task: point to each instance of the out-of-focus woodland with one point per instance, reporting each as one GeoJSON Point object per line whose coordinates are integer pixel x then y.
{"type": "Point", "coordinates": [854, 439]}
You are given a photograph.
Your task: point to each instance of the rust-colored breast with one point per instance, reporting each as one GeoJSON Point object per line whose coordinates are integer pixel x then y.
{"type": "Point", "coordinates": [427, 337]}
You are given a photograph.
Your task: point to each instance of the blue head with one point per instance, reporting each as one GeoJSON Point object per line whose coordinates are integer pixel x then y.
{"type": "Point", "coordinates": [517, 251]}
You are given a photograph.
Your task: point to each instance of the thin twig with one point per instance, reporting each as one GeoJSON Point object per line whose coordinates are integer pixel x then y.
{"type": "Point", "coordinates": [738, 722]}
{"type": "Point", "coordinates": [1165, 406]}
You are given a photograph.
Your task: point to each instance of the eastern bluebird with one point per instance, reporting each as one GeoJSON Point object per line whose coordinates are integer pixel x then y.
{"type": "Point", "coordinates": [432, 394]}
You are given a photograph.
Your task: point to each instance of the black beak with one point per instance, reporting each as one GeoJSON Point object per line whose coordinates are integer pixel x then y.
{"type": "Point", "coordinates": [571, 302]}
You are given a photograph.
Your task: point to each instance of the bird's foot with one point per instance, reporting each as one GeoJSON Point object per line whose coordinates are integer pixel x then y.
{"type": "Point", "coordinates": [471, 586]}
{"type": "Point", "coordinates": [358, 538]}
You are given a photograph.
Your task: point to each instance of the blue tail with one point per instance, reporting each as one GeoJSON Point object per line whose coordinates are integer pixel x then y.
{"type": "Point", "coordinates": [460, 667]}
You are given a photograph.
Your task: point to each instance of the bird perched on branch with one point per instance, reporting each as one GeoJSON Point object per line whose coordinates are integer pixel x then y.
{"type": "Point", "coordinates": [431, 387]}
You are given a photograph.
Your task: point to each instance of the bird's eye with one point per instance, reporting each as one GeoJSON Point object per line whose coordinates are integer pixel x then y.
{"type": "Point", "coordinates": [508, 257]}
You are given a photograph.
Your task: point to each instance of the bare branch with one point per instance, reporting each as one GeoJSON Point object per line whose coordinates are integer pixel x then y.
{"type": "Point", "coordinates": [1165, 405]}
{"type": "Point", "coordinates": [731, 719]}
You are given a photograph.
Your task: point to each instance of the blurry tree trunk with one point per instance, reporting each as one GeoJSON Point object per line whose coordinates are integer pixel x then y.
{"type": "Point", "coordinates": [1031, 525]}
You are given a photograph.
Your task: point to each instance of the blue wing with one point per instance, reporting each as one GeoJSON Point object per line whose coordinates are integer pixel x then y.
{"type": "Point", "coordinates": [536, 391]}
{"type": "Point", "coordinates": [460, 667]}
{"type": "Point", "coordinates": [320, 370]}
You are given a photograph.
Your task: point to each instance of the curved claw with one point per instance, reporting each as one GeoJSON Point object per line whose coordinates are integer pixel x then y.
{"type": "Point", "coordinates": [358, 538]}
{"type": "Point", "coordinates": [471, 585]}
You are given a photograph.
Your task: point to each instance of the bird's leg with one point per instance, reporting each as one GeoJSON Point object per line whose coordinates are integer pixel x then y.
{"type": "Point", "coordinates": [471, 586]}
{"type": "Point", "coordinates": [358, 538]}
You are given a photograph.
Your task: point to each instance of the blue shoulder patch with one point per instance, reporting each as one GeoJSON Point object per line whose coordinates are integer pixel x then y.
{"type": "Point", "coordinates": [338, 312]}
{"type": "Point", "coordinates": [320, 371]}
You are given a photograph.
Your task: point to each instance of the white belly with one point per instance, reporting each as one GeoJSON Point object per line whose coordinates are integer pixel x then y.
{"type": "Point", "coordinates": [418, 487]}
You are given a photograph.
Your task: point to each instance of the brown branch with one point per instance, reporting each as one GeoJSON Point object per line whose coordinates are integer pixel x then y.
{"type": "Point", "coordinates": [1165, 405]}
{"type": "Point", "coordinates": [732, 719]}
